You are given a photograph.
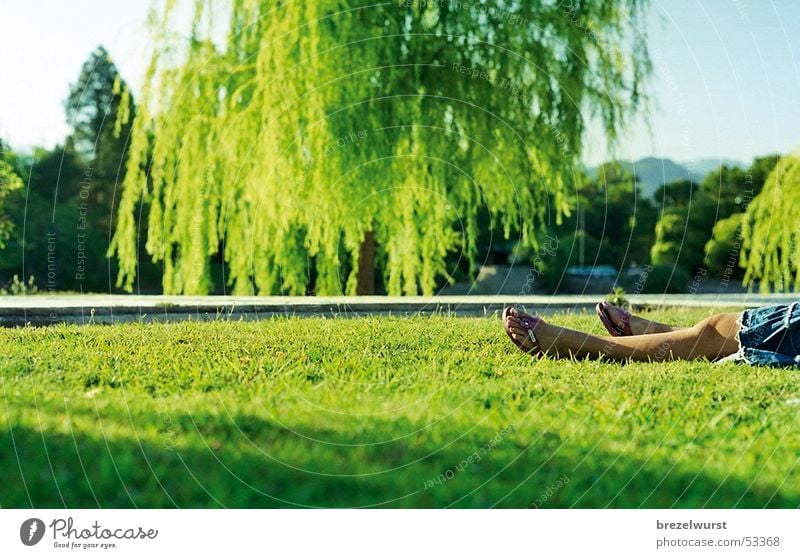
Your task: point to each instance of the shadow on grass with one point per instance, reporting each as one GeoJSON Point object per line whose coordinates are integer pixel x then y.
{"type": "Point", "coordinates": [262, 465]}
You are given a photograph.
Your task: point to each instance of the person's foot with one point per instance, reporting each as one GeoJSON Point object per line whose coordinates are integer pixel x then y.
{"type": "Point", "coordinates": [616, 320]}
{"type": "Point", "coordinates": [623, 323]}
{"type": "Point", "coordinates": [524, 330]}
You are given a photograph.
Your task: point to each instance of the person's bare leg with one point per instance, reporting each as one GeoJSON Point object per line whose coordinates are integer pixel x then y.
{"type": "Point", "coordinates": [712, 338]}
{"type": "Point", "coordinates": [639, 325]}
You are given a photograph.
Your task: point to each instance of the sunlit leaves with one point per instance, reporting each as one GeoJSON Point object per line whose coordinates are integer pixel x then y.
{"type": "Point", "coordinates": [771, 230]}
{"type": "Point", "coordinates": [282, 141]}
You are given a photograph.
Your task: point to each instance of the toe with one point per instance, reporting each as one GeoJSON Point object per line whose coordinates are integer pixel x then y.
{"type": "Point", "coordinates": [520, 331]}
{"type": "Point", "coordinates": [523, 315]}
{"type": "Point", "coordinates": [523, 340]}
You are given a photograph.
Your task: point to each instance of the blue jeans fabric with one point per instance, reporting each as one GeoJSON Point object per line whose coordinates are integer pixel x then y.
{"type": "Point", "coordinates": [770, 336]}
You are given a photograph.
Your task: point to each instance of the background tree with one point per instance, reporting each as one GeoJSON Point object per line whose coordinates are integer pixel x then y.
{"type": "Point", "coordinates": [62, 216]}
{"type": "Point", "coordinates": [699, 226]}
{"type": "Point", "coordinates": [9, 182]}
{"type": "Point", "coordinates": [617, 214]}
{"type": "Point", "coordinates": [551, 270]}
{"type": "Point", "coordinates": [678, 192]}
{"type": "Point", "coordinates": [733, 188]}
{"type": "Point", "coordinates": [100, 119]}
{"type": "Point", "coordinates": [684, 226]}
{"type": "Point", "coordinates": [91, 110]}
{"type": "Point", "coordinates": [317, 125]}
{"type": "Point", "coordinates": [723, 249]}
{"type": "Point", "coordinates": [771, 230]}
{"type": "Point", "coordinates": [610, 222]}
{"type": "Point", "coordinates": [43, 242]}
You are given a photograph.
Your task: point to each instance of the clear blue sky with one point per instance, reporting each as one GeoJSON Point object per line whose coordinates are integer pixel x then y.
{"type": "Point", "coordinates": [727, 80]}
{"type": "Point", "coordinates": [727, 72]}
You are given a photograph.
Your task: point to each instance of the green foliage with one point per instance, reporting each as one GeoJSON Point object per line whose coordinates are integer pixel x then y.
{"type": "Point", "coordinates": [9, 182]}
{"type": "Point", "coordinates": [618, 297]}
{"type": "Point", "coordinates": [45, 214]}
{"type": "Point", "coordinates": [697, 231]}
{"type": "Point", "coordinates": [62, 218]}
{"type": "Point", "coordinates": [732, 188]}
{"type": "Point", "coordinates": [771, 230]}
{"type": "Point", "coordinates": [17, 287]}
{"type": "Point", "coordinates": [98, 114]}
{"type": "Point", "coordinates": [693, 229]}
{"type": "Point", "coordinates": [685, 226]}
{"type": "Point", "coordinates": [619, 216]}
{"type": "Point", "coordinates": [723, 250]}
{"type": "Point", "coordinates": [735, 184]}
{"type": "Point", "coordinates": [667, 278]}
{"type": "Point", "coordinates": [315, 123]}
{"type": "Point", "coordinates": [679, 192]}
{"type": "Point", "coordinates": [551, 264]}
{"type": "Point", "coordinates": [696, 227]}
{"type": "Point", "coordinates": [354, 412]}
{"type": "Point", "coordinates": [610, 223]}
{"type": "Point", "coordinates": [92, 107]}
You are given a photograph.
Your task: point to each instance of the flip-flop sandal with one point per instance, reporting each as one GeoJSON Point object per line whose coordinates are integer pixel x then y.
{"type": "Point", "coordinates": [528, 323]}
{"type": "Point", "coordinates": [614, 329]}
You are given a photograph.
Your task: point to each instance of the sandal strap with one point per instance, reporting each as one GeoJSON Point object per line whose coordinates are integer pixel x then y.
{"type": "Point", "coordinates": [536, 347]}
{"type": "Point", "coordinates": [626, 321]}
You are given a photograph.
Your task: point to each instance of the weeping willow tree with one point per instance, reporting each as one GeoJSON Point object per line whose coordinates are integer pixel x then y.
{"type": "Point", "coordinates": [297, 131]}
{"type": "Point", "coordinates": [771, 230]}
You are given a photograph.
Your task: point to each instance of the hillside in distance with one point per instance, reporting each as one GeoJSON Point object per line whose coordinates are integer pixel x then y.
{"type": "Point", "coordinates": [652, 172]}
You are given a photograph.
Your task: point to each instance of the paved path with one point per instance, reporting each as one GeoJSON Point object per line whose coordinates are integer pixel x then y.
{"type": "Point", "coordinates": [81, 309]}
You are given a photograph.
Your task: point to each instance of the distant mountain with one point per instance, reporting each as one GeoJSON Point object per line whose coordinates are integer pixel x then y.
{"type": "Point", "coordinates": [704, 166]}
{"type": "Point", "coordinates": [652, 172]}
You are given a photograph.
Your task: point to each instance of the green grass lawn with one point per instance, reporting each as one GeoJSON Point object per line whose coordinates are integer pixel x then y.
{"type": "Point", "coordinates": [424, 412]}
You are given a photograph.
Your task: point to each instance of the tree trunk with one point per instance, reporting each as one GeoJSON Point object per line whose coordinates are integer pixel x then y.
{"type": "Point", "coordinates": [366, 265]}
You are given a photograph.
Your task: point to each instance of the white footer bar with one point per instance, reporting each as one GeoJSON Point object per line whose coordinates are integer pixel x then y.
{"type": "Point", "coordinates": [400, 533]}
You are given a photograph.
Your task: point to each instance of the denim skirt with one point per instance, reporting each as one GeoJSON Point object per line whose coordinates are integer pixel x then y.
{"type": "Point", "coordinates": [770, 336]}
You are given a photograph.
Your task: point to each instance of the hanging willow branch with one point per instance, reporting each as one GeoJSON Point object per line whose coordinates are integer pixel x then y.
{"type": "Point", "coordinates": [315, 123]}
{"type": "Point", "coordinates": [771, 230]}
